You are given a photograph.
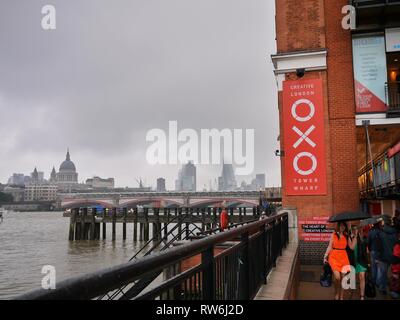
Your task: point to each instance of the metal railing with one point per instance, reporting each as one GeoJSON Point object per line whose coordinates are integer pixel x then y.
{"type": "Point", "coordinates": [372, 3]}
{"type": "Point", "coordinates": [236, 273]}
{"type": "Point", "coordinates": [393, 97]}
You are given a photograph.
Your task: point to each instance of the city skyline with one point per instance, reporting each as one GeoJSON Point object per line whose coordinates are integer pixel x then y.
{"type": "Point", "coordinates": [53, 176]}
{"type": "Point", "coordinates": [99, 90]}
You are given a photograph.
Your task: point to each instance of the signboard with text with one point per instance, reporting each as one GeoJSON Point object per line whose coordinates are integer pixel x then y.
{"type": "Point", "coordinates": [315, 229]}
{"type": "Point", "coordinates": [304, 143]}
{"type": "Point", "coordinates": [370, 73]}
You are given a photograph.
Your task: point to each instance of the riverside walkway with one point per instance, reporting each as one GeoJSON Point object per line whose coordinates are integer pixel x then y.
{"type": "Point", "coordinates": [228, 265]}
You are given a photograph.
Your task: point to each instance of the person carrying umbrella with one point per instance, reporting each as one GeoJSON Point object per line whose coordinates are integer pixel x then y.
{"type": "Point", "coordinates": [380, 244]}
{"type": "Point", "coordinates": [336, 255]}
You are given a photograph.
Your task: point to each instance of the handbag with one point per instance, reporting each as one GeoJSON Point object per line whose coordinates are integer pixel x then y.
{"type": "Point", "coordinates": [326, 276]}
{"type": "Point", "coordinates": [370, 291]}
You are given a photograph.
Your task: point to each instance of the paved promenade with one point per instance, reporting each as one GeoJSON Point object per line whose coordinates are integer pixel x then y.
{"type": "Point", "coordinates": [310, 289]}
{"type": "Point", "coordinates": [279, 282]}
{"type": "Point", "coordinates": [279, 278]}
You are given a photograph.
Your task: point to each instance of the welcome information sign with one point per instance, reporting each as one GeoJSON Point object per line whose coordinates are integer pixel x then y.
{"type": "Point", "coordinates": [370, 73]}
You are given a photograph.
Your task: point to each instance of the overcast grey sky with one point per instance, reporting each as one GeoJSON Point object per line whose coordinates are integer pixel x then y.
{"type": "Point", "coordinates": [112, 70]}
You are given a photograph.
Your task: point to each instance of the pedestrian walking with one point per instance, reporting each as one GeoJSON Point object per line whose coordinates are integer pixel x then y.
{"type": "Point", "coordinates": [336, 256]}
{"type": "Point", "coordinates": [360, 254]}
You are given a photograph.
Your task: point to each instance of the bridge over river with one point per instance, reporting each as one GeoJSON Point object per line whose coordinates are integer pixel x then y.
{"type": "Point", "coordinates": [169, 199]}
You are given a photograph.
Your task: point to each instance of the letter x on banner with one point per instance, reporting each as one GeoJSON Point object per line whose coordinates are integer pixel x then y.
{"type": "Point", "coordinates": [304, 143]}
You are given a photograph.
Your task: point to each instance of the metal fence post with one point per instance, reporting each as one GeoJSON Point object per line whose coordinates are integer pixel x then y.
{"type": "Point", "coordinates": [244, 284]}
{"type": "Point", "coordinates": [264, 253]}
{"type": "Point", "coordinates": [208, 281]}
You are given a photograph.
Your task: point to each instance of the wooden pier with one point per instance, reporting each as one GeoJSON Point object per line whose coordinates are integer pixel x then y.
{"type": "Point", "coordinates": [90, 224]}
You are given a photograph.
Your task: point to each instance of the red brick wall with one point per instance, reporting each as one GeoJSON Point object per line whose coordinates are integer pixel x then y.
{"type": "Point", "coordinates": [341, 109]}
{"type": "Point", "coordinates": [310, 25]}
{"type": "Point", "coordinates": [299, 25]}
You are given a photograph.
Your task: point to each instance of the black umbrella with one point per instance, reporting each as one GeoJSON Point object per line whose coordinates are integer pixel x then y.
{"type": "Point", "coordinates": [369, 221]}
{"type": "Point", "coordinates": [349, 216]}
{"type": "Point", "coordinates": [375, 219]}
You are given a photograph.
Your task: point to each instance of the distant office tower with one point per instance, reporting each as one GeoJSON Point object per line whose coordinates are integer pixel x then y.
{"type": "Point", "coordinates": [260, 181]}
{"type": "Point", "coordinates": [186, 178]}
{"type": "Point", "coordinates": [161, 185]}
{"type": "Point", "coordinates": [17, 179]}
{"type": "Point", "coordinates": [227, 181]}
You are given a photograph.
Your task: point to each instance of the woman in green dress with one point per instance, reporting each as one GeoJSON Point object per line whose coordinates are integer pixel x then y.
{"type": "Point", "coordinates": [360, 259]}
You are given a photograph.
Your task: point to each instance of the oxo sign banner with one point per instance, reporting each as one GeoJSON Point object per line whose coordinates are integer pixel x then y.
{"type": "Point", "coordinates": [304, 145]}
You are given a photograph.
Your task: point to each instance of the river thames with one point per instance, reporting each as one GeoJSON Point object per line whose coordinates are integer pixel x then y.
{"type": "Point", "coordinates": [31, 240]}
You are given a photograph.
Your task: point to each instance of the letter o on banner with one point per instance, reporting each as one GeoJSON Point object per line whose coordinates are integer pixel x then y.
{"type": "Point", "coordinates": [302, 155]}
{"type": "Point", "coordinates": [309, 116]}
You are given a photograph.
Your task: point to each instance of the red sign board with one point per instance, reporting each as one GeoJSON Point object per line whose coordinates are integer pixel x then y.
{"type": "Point", "coordinates": [304, 144]}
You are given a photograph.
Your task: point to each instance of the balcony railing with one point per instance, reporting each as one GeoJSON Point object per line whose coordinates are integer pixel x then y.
{"type": "Point", "coordinates": [372, 3]}
{"type": "Point", "coordinates": [375, 15]}
{"type": "Point", "coordinates": [393, 98]}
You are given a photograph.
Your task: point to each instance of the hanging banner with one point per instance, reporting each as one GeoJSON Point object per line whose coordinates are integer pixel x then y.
{"type": "Point", "coordinates": [304, 144]}
{"type": "Point", "coordinates": [370, 73]}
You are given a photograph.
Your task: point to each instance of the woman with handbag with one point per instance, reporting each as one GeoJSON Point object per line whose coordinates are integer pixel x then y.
{"type": "Point", "coordinates": [337, 257]}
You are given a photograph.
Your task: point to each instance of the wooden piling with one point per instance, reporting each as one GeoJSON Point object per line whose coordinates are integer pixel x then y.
{"type": "Point", "coordinates": [125, 212]}
{"type": "Point", "coordinates": [154, 224]}
{"type": "Point", "coordinates": [83, 223]}
{"type": "Point", "coordinates": [72, 225]}
{"type": "Point", "coordinates": [114, 218]}
{"type": "Point", "coordinates": [203, 219]}
{"type": "Point", "coordinates": [215, 218]}
{"type": "Point", "coordinates": [93, 224]}
{"type": "Point", "coordinates": [135, 219]}
{"type": "Point", "coordinates": [77, 224]}
{"type": "Point", "coordinates": [146, 224]}
{"type": "Point", "coordinates": [104, 224]}
{"type": "Point", "coordinates": [157, 230]}
{"type": "Point", "coordinates": [187, 224]}
{"type": "Point", "coordinates": [179, 223]}
{"type": "Point", "coordinates": [97, 231]}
